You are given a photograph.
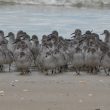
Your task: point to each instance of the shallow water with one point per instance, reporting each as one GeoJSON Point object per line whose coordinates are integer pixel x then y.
{"type": "Point", "coordinates": [36, 19]}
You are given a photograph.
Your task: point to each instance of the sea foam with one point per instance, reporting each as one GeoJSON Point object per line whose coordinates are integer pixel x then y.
{"type": "Point", "coordinates": [74, 3]}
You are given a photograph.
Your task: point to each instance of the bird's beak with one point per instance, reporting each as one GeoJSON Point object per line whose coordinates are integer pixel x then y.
{"type": "Point", "coordinates": [84, 34]}
{"type": "Point", "coordinates": [91, 31]}
{"type": "Point", "coordinates": [6, 36]}
{"type": "Point", "coordinates": [16, 41]}
{"type": "Point", "coordinates": [73, 37]}
{"type": "Point", "coordinates": [102, 34]}
{"type": "Point", "coordinates": [72, 33]}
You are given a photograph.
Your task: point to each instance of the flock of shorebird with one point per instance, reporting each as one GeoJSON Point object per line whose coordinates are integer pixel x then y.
{"type": "Point", "coordinates": [55, 54]}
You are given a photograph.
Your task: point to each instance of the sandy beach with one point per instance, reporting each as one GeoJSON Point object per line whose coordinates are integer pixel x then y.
{"type": "Point", "coordinates": [60, 92]}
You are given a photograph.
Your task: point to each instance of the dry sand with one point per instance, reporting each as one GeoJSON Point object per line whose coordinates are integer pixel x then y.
{"type": "Point", "coordinates": [59, 92]}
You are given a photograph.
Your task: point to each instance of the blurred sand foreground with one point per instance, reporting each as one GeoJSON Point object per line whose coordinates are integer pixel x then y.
{"type": "Point", "coordinates": [59, 92]}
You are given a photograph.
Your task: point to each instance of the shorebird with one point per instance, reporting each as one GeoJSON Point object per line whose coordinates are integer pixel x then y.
{"type": "Point", "coordinates": [77, 34]}
{"type": "Point", "coordinates": [23, 58]}
{"type": "Point", "coordinates": [11, 45]}
{"type": "Point", "coordinates": [105, 61]}
{"type": "Point", "coordinates": [6, 55]}
{"type": "Point", "coordinates": [35, 48]}
{"type": "Point", "coordinates": [107, 36]}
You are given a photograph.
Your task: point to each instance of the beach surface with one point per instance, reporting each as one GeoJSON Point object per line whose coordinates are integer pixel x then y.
{"type": "Point", "coordinates": [60, 92]}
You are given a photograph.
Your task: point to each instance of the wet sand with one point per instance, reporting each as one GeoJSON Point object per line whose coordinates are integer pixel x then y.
{"type": "Point", "coordinates": [59, 92]}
